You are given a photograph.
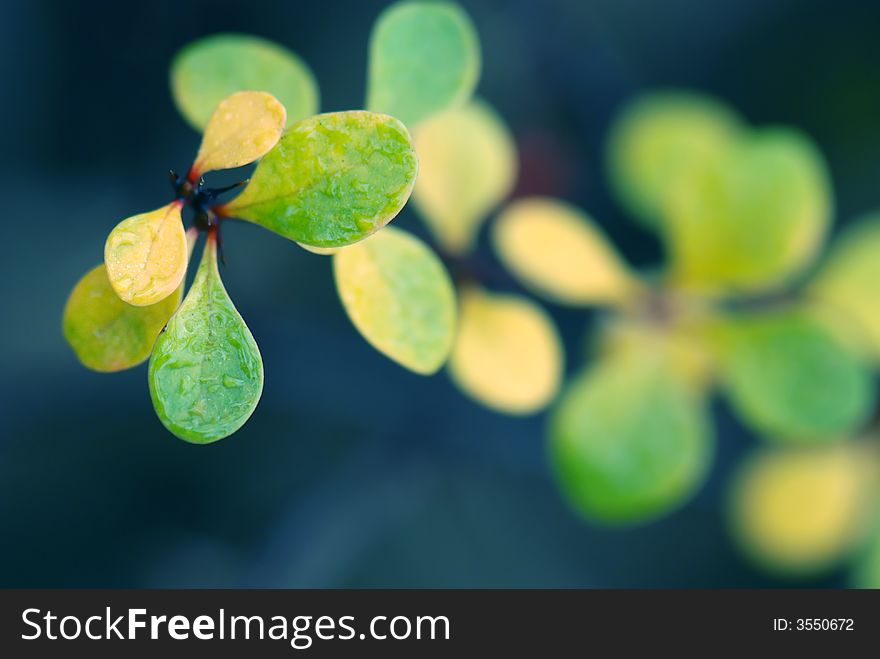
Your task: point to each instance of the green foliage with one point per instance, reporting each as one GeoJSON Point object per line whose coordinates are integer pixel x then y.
{"type": "Point", "coordinates": [399, 296]}
{"type": "Point", "coordinates": [790, 378]}
{"type": "Point", "coordinates": [424, 58]}
{"type": "Point", "coordinates": [206, 373]}
{"type": "Point", "coordinates": [629, 440]}
{"type": "Point", "coordinates": [332, 180]}
{"type": "Point", "coordinates": [213, 68]}
{"type": "Point", "coordinates": [327, 181]}
{"type": "Point", "coordinates": [106, 333]}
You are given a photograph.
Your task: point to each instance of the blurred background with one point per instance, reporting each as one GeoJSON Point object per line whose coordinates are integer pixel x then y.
{"type": "Point", "coordinates": [354, 472]}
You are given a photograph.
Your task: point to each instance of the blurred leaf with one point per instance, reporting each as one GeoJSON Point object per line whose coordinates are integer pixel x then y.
{"type": "Point", "coordinates": [106, 333]}
{"type": "Point", "coordinates": [629, 440]}
{"type": "Point", "coordinates": [424, 58]}
{"type": "Point", "coordinates": [557, 250]}
{"type": "Point", "coordinates": [753, 220]}
{"type": "Point", "coordinates": [243, 128]}
{"type": "Point", "coordinates": [399, 296]}
{"type": "Point", "coordinates": [332, 180]}
{"type": "Point", "coordinates": [866, 573]}
{"type": "Point", "coordinates": [790, 377]}
{"type": "Point", "coordinates": [146, 255]}
{"type": "Point", "coordinates": [210, 69]}
{"type": "Point", "coordinates": [850, 279]}
{"type": "Point", "coordinates": [659, 135]}
{"type": "Point", "coordinates": [467, 165]}
{"type": "Point", "coordinates": [800, 511]}
{"type": "Point", "coordinates": [508, 354]}
{"type": "Point", "coordinates": [206, 373]}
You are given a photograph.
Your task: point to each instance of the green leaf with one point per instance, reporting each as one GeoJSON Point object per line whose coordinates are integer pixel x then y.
{"type": "Point", "coordinates": [332, 180]}
{"type": "Point", "coordinates": [629, 439]}
{"type": "Point", "coordinates": [849, 281]}
{"type": "Point", "coordinates": [106, 333]}
{"type": "Point", "coordinates": [867, 568]}
{"type": "Point", "coordinates": [507, 353]}
{"type": "Point", "coordinates": [800, 511]}
{"type": "Point", "coordinates": [399, 296]}
{"type": "Point", "coordinates": [210, 69]}
{"type": "Point", "coordinates": [790, 377]}
{"type": "Point", "coordinates": [467, 165]}
{"type": "Point", "coordinates": [752, 221]}
{"type": "Point", "coordinates": [206, 373]}
{"type": "Point", "coordinates": [658, 136]}
{"type": "Point", "coordinates": [558, 251]}
{"type": "Point", "coordinates": [424, 58]}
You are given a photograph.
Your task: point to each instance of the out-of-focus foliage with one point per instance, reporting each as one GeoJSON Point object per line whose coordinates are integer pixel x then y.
{"type": "Point", "coordinates": [424, 58]}
{"type": "Point", "coordinates": [213, 68]}
{"type": "Point", "coordinates": [508, 354]}
{"type": "Point", "coordinates": [803, 510]}
{"type": "Point", "coordinates": [790, 378]}
{"type": "Point", "coordinates": [467, 166]}
{"type": "Point", "coordinates": [849, 280]}
{"type": "Point", "coordinates": [399, 296]}
{"type": "Point", "coordinates": [629, 439]}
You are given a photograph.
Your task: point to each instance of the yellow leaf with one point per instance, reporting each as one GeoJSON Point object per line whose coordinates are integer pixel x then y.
{"type": "Point", "coordinates": [801, 511]}
{"type": "Point", "coordinates": [558, 251]}
{"type": "Point", "coordinates": [146, 256]}
{"type": "Point", "coordinates": [507, 354]}
{"type": "Point", "coordinates": [244, 127]}
{"type": "Point", "coordinates": [467, 165]}
{"type": "Point", "coordinates": [322, 251]}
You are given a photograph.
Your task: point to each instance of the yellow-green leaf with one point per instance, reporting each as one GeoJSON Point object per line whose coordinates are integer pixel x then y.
{"type": "Point", "coordinates": [752, 221]}
{"type": "Point", "coordinates": [424, 58]}
{"type": "Point", "coordinates": [799, 511]}
{"type": "Point", "coordinates": [399, 297]}
{"type": "Point", "coordinates": [146, 255]}
{"type": "Point", "coordinates": [629, 439]}
{"type": "Point", "coordinates": [658, 136]}
{"type": "Point", "coordinates": [210, 69]}
{"type": "Point", "coordinates": [849, 281]}
{"type": "Point", "coordinates": [242, 129]}
{"type": "Point", "coordinates": [108, 334]}
{"type": "Point", "coordinates": [557, 250]}
{"type": "Point", "coordinates": [508, 354]}
{"type": "Point", "coordinates": [321, 251]}
{"type": "Point", "coordinates": [467, 166]}
{"type": "Point", "coordinates": [791, 378]}
{"type": "Point", "coordinates": [206, 373]}
{"type": "Point", "coordinates": [332, 180]}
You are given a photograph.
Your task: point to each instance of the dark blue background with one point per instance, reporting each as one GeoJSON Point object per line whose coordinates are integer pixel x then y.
{"type": "Point", "coordinates": [352, 471]}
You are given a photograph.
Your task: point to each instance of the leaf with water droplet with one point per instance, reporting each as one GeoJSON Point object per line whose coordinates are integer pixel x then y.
{"type": "Point", "coordinates": [507, 353]}
{"type": "Point", "coordinates": [399, 296]}
{"type": "Point", "coordinates": [424, 58]}
{"type": "Point", "coordinates": [332, 180]}
{"type": "Point", "coordinates": [656, 138]}
{"type": "Point", "coordinates": [791, 378]}
{"type": "Point", "coordinates": [799, 511]}
{"type": "Point", "coordinates": [206, 373]}
{"type": "Point", "coordinates": [754, 219]}
{"type": "Point", "coordinates": [210, 69]}
{"type": "Point", "coordinates": [630, 440]}
{"type": "Point", "coordinates": [467, 165]}
{"type": "Point", "coordinates": [849, 281]}
{"type": "Point", "coordinates": [557, 250]}
{"type": "Point", "coordinates": [242, 129]}
{"type": "Point", "coordinates": [108, 334]}
{"type": "Point", "coordinates": [146, 256]}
